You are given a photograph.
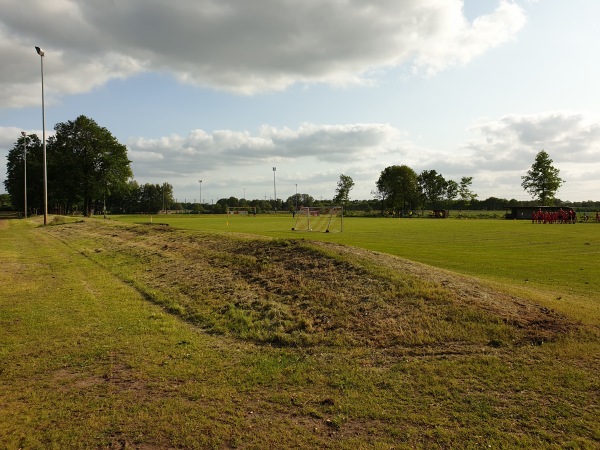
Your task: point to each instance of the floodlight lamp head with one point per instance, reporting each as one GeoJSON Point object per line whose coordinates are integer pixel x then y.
{"type": "Point", "coordinates": [39, 51]}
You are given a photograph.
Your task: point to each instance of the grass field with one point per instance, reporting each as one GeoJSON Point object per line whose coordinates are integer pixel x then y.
{"type": "Point", "coordinates": [556, 264]}
{"type": "Point", "coordinates": [199, 335]}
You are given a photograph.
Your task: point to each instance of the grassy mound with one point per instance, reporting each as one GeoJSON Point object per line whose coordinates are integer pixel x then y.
{"type": "Point", "coordinates": [298, 293]}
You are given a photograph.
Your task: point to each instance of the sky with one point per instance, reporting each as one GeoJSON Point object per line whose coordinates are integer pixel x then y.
{"type": "Point", "coordinates": [223, 91]}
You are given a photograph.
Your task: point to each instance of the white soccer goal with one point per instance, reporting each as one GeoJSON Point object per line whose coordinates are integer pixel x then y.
{"type": "Point", "coordinates": [241, 210]}
{"type": "Point", "coordinates": [325, 219]}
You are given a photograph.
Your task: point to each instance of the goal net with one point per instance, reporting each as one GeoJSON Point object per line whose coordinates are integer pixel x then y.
{"type": "Point", "coordinates": [325, 219]}
{"type": "Point", "coordinates": [241, 210]}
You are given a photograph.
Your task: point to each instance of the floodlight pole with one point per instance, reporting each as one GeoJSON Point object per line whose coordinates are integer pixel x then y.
{"type": "Point", "coordinates": [41, 53]}
{"type": "Point", "coordinates": [200, 181]}
{"type": "Point", "coordinates": [296, 196]}
{"type": "Point", "coordinates": [275, 187]}
{"type": "Point", "coordinates": [25, 169]}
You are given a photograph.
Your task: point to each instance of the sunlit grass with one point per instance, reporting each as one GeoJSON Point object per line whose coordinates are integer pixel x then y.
{"type": "Point", "coordinates": [87, 362]}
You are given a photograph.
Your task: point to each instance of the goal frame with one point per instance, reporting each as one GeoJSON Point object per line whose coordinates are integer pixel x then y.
{"type": "Point", "coordinates": [241, 210]}
{"type": "Point", "coordinates": [319, 218]}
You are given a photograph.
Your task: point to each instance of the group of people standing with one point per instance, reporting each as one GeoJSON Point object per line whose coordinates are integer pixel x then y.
{"type": "Point", "coordinates": [560, 216]}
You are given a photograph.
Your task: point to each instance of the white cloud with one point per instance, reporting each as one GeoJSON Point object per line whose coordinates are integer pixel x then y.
{"type": "Point", "coordinates": [236, 45]}
{"type": "Point", "coordinates": [566, 136]}
{"type": "Point", "coordinates": [448, 39]}
{"type": "Point", "coordinates": [505, 148]}
{"type": "Point", "coordinates": [312, 155]}
{"type": "Point", "coordinates": [339, 144]}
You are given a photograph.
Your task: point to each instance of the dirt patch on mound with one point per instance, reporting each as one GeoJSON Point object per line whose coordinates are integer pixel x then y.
{"type": "Point", "coordinates": [300, 293]}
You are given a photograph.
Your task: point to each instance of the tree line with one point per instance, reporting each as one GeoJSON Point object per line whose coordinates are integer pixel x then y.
{"type": "Point", "coordinates": [88, 171]}
{"type": "Point", "coordinates": [400, 188]}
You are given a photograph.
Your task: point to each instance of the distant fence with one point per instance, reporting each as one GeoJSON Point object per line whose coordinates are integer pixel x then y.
{"type": "Point", "coordinates": [10, 215]}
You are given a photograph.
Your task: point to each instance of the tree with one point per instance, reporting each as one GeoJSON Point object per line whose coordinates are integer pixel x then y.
{"type": "Point", "coordinates": [127, 199]}
{"type": "Point", "coordinates": [452, 189]}
{"type": "Point", "coordinates": [397, 187]}
{"type": "Point", "coordinates": [300, 200]}
{"type": "Point", "coordinates": [133, 198]}
{"type": "Point", "coordinates": [151, 198]}
{"type": "Point", "coordinates": [464, 192]}
{"type": "Point", "coordinates": [15, 174]}
{"type": "Point", "coordinates": [342, 192]}
{"type": "Point", "coordinates": [5, 202]}
{"type": "Point", "coordinates": [86, 163]}
{"type": "Point", "coordinates": [542, 180]}
{"type": "Point", "coordinates": [432, 185]}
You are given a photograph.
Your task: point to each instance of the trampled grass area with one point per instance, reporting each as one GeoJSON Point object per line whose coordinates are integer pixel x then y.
{"type": "Point", "coordinates": [152, 337]}
{"type": "Point", "coordinates": [555, 264]}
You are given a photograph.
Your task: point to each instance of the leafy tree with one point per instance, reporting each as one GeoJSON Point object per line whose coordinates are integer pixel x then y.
{"type": "Point", "coordinates": [542, 180]}
{"type": "Point", "coordinates": [86, 163]}
{"type": "Point", "coordinates": [133, 198]}
{"type": "Point", "coordinates": [300, 200]}
{"type": "Point", "coordinates": [127, 199]}
{"type": "Point", "coordinates": [5, 202]}
{"type": "Point", "coordinates": [218, 208]}
{"type": "Point", "coordinates": [385, 186]}
{"type": "Point", "coordinates": [342, 192]}
{"type": "Point", "coordinates": [397, 187]}
{"type": "Point", "coordinates": [492, 203]}
{"type": "Point", "coordinates": [150, 198]}
{"type": "Point", "coordinates": [452, 189]}
{"type": "Point", "coordinates": [263, 205]}
{"type": "Point", "coordinates": [433, 187]}
{"type": "Point", "coordinates": [464, 192]}
{"type": "Point", "coordinates": [15, 174]}
{"type": "Point", "coordinates": [167, 196]}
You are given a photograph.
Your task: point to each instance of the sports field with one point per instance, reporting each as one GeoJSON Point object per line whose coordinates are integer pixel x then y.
{"type": "Point", "coordinates": [555, 264]}
{"type": "Point", "coordinates": [236, 332]}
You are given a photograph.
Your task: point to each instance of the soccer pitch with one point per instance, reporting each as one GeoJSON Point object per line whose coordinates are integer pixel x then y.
{"type": "Point", "coordinates": [555, 264]}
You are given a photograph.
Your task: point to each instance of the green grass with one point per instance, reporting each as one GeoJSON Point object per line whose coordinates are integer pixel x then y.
{"type": "Point", "coordinates": [86, 361]}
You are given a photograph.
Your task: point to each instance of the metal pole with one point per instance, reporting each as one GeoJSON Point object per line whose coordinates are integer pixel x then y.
{"type": "Point", "coordinates": [296, 196]}
{"type": "Point", "coordinates": [275, 188]}
{"type": "Point", "coordinates": [25, 168]}
{"type": "Point", "coordinates": [200, 181]}
{"type": "Point", "coordinates": [41, 53]}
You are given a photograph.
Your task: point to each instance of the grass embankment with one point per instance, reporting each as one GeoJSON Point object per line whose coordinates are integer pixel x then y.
{"type": "Point", "coordinates": [260, 343]}
{"type": "Point", "coordinates": [556, 265]}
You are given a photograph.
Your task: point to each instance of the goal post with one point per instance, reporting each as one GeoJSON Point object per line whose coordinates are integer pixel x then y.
{"type": "Point", "coordinates": [325, 219]}
{"type": "Point", "coordinates": [241, 210]}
